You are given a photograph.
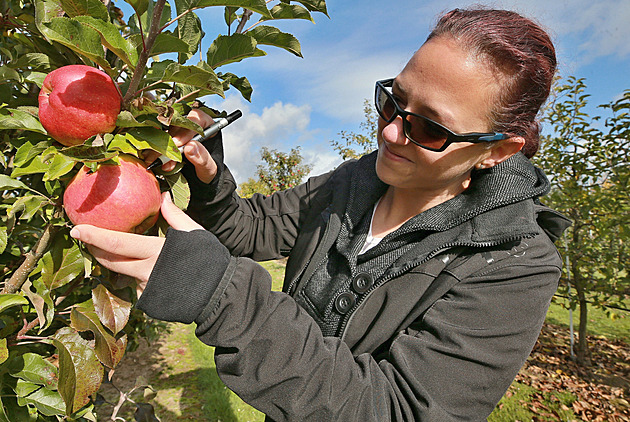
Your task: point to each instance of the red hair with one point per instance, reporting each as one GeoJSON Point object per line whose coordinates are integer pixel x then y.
{"type": "Point", "coordinates": [521, 51]}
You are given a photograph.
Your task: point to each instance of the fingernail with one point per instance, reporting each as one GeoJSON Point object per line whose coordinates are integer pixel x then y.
{"type": "Point", "coordinates": [74, 233]}
{"type": "Point", "coordinates": [193, 150]}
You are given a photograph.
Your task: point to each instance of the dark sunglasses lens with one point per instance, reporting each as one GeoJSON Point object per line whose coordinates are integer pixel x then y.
{"type": "Point", "coordinates": [425, 132]}
{"type": "Point", "coordinates": [385, 104]}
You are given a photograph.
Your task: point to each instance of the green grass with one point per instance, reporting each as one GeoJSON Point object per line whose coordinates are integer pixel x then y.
{"type": "Point", "coordinates": [615, 327]}
{"type": "Point", "coordinates": [524, 403]}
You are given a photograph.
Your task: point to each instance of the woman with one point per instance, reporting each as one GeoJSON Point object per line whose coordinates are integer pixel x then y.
{"type": "Point", "coordinates": [418, 276]}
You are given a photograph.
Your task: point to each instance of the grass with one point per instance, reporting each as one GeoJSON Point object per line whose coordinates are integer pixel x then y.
{"type": "Point", "coordinates": [615, 326]}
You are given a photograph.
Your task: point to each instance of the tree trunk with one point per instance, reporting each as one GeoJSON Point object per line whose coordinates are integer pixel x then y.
{"type": "Point", "coordinates": [583, 353]}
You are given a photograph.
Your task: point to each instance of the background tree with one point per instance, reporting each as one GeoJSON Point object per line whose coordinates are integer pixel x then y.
{"type": "Point", "coordinates": [354, 145]}
{"type": "Point", "coordinates": [279, 171]}
{"type": "Point", "coordinates": [586, 159]}
{"type": "Point", "coordinates": [65, 322]}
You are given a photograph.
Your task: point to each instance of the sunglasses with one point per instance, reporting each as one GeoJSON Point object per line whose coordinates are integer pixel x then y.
{"type": "Point", "coordinates": [421, 130]}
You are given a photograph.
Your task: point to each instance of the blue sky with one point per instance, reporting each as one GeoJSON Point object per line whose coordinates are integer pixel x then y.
{"type": "Point", "coordinates": [307, 101]}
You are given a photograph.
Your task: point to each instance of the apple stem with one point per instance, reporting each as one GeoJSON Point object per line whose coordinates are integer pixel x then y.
{"type": "Point", "coordinates": [144, 54]}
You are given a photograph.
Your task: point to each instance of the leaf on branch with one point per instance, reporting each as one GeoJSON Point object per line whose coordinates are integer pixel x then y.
{"type": "Point", "coordinates": [47, 402]}
{"type": "Point", "coordinates": [27, 206]}
{"type": "Point", "coordinates": [62, 263]}
{"type": "Point", "coordinates": [258, 6]}
{"type": "Point", "coordinates": [240, 83]}
{"type": "Point", "coordinates": [140, 6]}
{"type": "Point", "coordinates": [34, 61]}
{"type": "Point", "coordinates": [314, 5]}
{"type": "Point", "coordinates": [270, 35]}
{"type": "Point", "coordinates": [231, 49]}
{"type": "Point", "coordinates": [8, 300]}
{"type": "Point", "coordinates": [126, 119]}
{"type": "Point", "coordinates": [109, 350]}
{"type": "Point", "coordinates": [87, 153]}
{"type": "Point", "coordinates": [166, 42]}
{"type": "Point", "coordinates": [40, 300]}
{"type": "Point", "coordinates": [112, 310]}
{"type": "Point", "coordinates": [112, 39]}
{"type": "Point", "coordinates": [34, 368]}
{"type": "Point", "coordinates": [95, 8]}
{"type": "Point", "coordinates": [289, 11]}
{"type": "Point", "coordinates": [179, 189]}
{"type": "Point", "coordinates": [78, 37]}
{"type": "Point", "coordinates": [11, 118]}
{"type": "Point", "coordinates": [169, 71]}
{"type": "Point", "coordinates": [155, 139]}
{"type": "Point", "coordinates": [4, 239]}
{"type": "Point", "coordinates": [80, 372]}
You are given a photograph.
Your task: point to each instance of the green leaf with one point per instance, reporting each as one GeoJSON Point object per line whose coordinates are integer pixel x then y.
{"type": "Point", "coordinates": [270, 35]}
{"type": "Point", "coordinates": [190, 32]}
{"type": "Point", "coordinates": [80, 372]}
{"type": "Point", "coordinates": [11, 118]}
{"type": "Point", "coordinates": [120, 143]}
{"type": "Point", "coordinates": [232, 48]}
{"type": "Point", "coordinates": [126, 119]}
{"type": "Point", "coordinates": [258, 6]}
{"type": "Point", "coordinates": [169, 43]}
{"type": "Point", "coordinates": [78, 37]}
{"type": "Point", "coordinates": [169, 71]}
{"type": "Point", "coordinates": [62, 263]}
{"type": "Point", "coordinates": [9, 74]}
{"type": "Point", "coordinates": [289, 11]}
{"type": "Point", "coordinates": [112, 310]}
{"type": "Point", "coordinates": [140, 6]}
{"type": "Point", "coordinates": [8, 300]}
{"type": "Point", "coordinates": [32, 166]}
{"type": "Point", "coordinates": [88, 153]}
{"type": "Point", "coordinates": [27, 151]}
{"type": "Point", "coordinates": [179, 189]}
{"type": "Point", "coordinates": [240, 83]}
{"type": "Point", "coordinates": [47, 402]}
{"type": "Point", "coordinates": [34, 368]}
{"type": "Point", "coordinates": [314, 5]}
{"type": "Point", "coordinates": [109, 350]}
{"type": "Point", "coordinates": [34, 61]}
{"type": "Point", "coordinates": [4, 351]}
{"type": "Point", "coordinates": [158, 140]}
{"type": "Point", "coordinates": [4, 238]}
{"type": "Point", "coordinates": [28, 206]}
{"type": "Point", "coordinates": [40, 299]}
{"type": "Point", "coordinates": [112, 39]}
{"type": "Point", "coordinates": [95, 8]}
{"type": "Point", "coordinates": [60, 165]}
{"type": "Point", "coordinates": [7, 183]}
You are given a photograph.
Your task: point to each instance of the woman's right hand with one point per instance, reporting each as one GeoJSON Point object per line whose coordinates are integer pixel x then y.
{"type": "Point", "coordinates": [195, 152]}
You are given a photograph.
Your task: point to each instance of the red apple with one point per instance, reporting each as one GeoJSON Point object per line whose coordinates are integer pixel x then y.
{"type": "Point", "coordinates": [77, 102]}
{"type": "Point", "coordinates": [122, 198]}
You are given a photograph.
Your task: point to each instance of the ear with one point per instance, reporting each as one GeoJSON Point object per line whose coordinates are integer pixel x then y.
{"type": "Point", "coordinates": [501, 151]}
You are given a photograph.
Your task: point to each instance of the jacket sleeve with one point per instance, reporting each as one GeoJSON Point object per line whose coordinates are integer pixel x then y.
{"type": "Point", "coordinates": [452, 364]}
{"type": "Point", "coordinates": [261, 227]}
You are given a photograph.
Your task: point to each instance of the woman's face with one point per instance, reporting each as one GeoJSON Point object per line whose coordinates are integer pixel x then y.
{"type": "Point", "coordinates": [452, 87]}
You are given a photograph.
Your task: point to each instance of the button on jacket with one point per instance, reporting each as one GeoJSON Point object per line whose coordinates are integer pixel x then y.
{"type": "Point", "coordinates": [432, 324]}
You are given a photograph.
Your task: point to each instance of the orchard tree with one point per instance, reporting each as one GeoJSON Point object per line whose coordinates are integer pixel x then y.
{"type": "Point", "coordinates": [354, 145]}
{"type": "Point", "coordinates": [587, 160]}
{"type": "Point", "coordinates": [279, 171]}
{"type": "Point", "coordinates": [65, 322]}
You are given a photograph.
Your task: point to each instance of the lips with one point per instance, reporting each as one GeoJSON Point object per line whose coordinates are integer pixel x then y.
{"type": "Point", "coordinates": [390, 154]}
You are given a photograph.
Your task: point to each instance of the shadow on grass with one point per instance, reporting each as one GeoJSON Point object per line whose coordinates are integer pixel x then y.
{"type": "Point", "coordinates": [183, 386]}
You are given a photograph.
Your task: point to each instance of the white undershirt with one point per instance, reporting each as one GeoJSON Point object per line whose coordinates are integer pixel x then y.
{"type": "Point", "coordinates": [370, 240]}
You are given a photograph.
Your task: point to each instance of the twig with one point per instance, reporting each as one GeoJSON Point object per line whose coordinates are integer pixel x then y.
{"type": "Point", "coordinates": [146, 51]}
{"type": "Point", "coordinates": [20, 276]}
{"type": "Point", "coordinates": [246, 15]}
{"type": "Point", "coordinates": [195, 92]}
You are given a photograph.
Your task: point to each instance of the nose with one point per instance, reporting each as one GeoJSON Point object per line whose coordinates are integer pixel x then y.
{"type": "Point", "coordinates": [393, 132]}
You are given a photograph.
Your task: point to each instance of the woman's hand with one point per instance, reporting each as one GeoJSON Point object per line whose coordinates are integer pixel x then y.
{"type": "Point", "coordinates": [197, 154]}
{"type": "Point", "coordinates": [132, 254]}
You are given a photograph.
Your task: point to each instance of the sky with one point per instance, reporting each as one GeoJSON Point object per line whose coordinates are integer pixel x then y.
{"type": "Point", "coordinates": [308, 101]}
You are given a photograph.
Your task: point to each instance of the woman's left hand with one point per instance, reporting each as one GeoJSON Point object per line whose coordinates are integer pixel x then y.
{"type": "Point", "coordinates": [132, 254]}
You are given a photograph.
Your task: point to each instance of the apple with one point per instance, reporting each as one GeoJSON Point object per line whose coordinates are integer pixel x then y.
{"type": "Point", "coordinates": [77, 102]}
{"type": "Point", "coordinates": [123, 197]}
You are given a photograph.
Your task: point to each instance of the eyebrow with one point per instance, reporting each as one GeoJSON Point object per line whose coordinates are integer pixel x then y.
{"type": "Point", "coordinates": [434, 114]}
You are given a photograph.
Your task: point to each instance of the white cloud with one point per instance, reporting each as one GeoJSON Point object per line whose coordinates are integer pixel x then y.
{"type": "Point", "coordinates": [243, 139]}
